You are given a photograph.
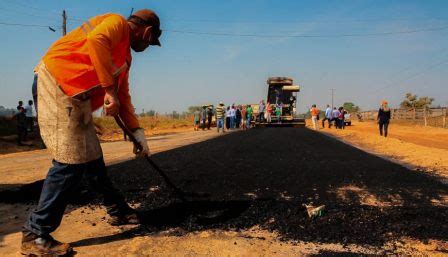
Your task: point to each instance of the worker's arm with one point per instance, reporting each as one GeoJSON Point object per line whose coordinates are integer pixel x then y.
{"type": "Point", "coordinates": [100, 42]}
{"type": "Point", "coordinates": [127, 111]}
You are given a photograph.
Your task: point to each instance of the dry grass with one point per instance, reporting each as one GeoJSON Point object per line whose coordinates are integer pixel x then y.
{"type": "Point", "coordinates": [152, 125]}
{"type": "Point", "coordinates": [148, 123]}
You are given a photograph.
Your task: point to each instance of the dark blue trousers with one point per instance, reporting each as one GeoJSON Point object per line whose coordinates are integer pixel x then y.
{"type": "Point", "coordinates": [57, 188]}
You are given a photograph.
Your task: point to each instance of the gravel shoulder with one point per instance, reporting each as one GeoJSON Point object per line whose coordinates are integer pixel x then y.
{"type": "Point", "coordinates": [416, 147]}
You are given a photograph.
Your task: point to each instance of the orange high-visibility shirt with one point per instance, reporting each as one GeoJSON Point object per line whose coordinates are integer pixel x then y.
{"type": "Point", "coordinates": [314, 111]}
{"type": "Point", "coordinates": [93, 56]}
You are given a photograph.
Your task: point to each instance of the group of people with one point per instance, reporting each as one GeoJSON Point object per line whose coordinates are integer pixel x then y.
{"type": "Point", "coordinates": [267, 110]}
{"type": "Point", "coordinates": [25, 121]}
{"type": "Point", "coordinates": [333, 115]}
{"type": "Point", "coordinates": [232, 117]}
{"type": "Point", "coordinates": [337, 116]}
{"type": "Point", "coordinates": [235, 116]}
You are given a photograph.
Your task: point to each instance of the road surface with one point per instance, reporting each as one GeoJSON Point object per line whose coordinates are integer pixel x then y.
{"type": "Point", "coordinates": [258, 182]}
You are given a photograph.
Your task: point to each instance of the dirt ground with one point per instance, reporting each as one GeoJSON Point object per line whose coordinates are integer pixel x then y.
{"type": "Point", "coordinates": [259, 181]}
{"type": "Point", "coordinates": [416, 147]}
{"type": "Point", "coordinates": [9, 145]}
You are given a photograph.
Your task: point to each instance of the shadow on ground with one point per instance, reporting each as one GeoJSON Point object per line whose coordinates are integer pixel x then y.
{"type": "Point", "coordinates": [263, 176]}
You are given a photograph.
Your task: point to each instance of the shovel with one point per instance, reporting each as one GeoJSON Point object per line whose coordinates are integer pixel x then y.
{"type": "Point", "coordinates": [179, 193]}
{"type": "Point", "coordinates": [209, 211]}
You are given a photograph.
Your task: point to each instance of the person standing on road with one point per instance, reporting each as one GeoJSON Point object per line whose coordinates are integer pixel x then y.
{"type": "Point", "coordinates": [383, 118]}
{"type": "Point", "coordinates": [197, 119]}
{"type": "Point", "coordinates": [335, 117]}
{"type": "Point", "coordinates": [29, 116]}
{"type": "Point", "coordinates": [220, 116]}
{"type": "Point", "coordinates": [243, 117]}
{"type": "Point", "coordinates": [261, 111]}
{"type": "Point", "coordinates": [228, 118]}
{"type": "Point", "coordinates": [20, 104]}
{"type": "Point", "coordinates": [232, 117]}
{"type": "Point", "coordinates": [25, 132]}
{"type": "Point", "coordinates": [278, 112]}
{"type": "Point", "coordinates": [249, 114]}
{"type": "Point", "coordinates": [341, 121]}
{"type": "Point", "coordinates": [204, 116]}
{"type": "Point", "coordinates": [83, 71]}
{"type": "Point", "coordinates": [210, 114]}
{"type": "Point", "coordinates": [327, 117]}
{"type": "Point", "coordinates": [21, 125]}
{"type": "Point", "coordinates": [314, 116]}
{"type": "Point", "coordinates": [238, 117]}
{"type": "Point", "coordinates": [268, 112]}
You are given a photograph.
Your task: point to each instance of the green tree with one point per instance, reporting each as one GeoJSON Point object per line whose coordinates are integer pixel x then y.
{"type": "Point", "coordinates": [150, 113]}
{"type": "Point", "coordinates": [413, 101]}
{"type": "Point", "coordinates": [175, 115]}
{"type": "Point", "coordinates": [351, 107]}
{"type": "Point", "coordinates": [192, 109]}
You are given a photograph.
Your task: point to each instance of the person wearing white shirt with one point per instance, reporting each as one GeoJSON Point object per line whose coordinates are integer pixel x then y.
{"type": "Point", "coordinates": [232, 114]}
{"type": "Point", "coordinates": [29, 113]}
{"type": "Point", "coordinates": [328, 117]}
{"type": "Point", "coordinates": [228, 118]}
{"type": "Point", "coordinates": [334, 117]}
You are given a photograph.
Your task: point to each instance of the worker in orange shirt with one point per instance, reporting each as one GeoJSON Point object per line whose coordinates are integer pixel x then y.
{"type": "Point", "coordinates": [81, 72]}
{"type": "Point", "coordinates": [314, 116]}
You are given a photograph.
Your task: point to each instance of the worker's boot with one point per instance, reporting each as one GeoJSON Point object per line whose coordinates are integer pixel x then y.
{"type": "Point", "coordinates": [125, 217]}
{"type": "Point", "coordinates": [33, 245]}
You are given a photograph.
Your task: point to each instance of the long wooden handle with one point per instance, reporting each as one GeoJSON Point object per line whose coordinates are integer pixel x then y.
{"type": "Point", "coordinates": [128, 132]}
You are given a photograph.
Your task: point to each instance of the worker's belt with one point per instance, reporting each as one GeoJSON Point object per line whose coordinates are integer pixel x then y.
{"type": "Point", "coordinates": [84, 96]}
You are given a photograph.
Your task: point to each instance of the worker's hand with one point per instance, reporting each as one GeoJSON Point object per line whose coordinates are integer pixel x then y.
{"type": "Point", "coordinates": [142, 149]}
{"type": "Point", "coordinates": [111, 103]}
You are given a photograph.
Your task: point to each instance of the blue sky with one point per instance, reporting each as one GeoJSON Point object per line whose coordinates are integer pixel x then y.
{"type": "Point", "coordinates": [192, 69]}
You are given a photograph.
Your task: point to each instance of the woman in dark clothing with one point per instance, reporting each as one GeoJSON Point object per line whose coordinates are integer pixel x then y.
{"type": "Point", "coordinates": [383, 118]}
{"type": "Point", "coordinates": [238, 116]}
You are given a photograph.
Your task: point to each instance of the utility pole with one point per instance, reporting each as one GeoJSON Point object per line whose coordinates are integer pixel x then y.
{"type": "Point", "coordinates": [332, 97]}
{"type": "Point", "coordinates": [64, 23]}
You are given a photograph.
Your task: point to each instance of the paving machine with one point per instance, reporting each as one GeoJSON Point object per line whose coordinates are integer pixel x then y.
{"type": "Point", "coordinates": [282, 91]}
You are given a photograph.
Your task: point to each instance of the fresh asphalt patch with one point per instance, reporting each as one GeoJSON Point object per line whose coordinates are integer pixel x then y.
{"type": "Point", "coordinates": [264, 176]}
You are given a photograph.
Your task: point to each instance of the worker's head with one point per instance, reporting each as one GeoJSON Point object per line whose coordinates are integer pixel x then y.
{"type": "Point", "coordinates": [384, 105]}
{"type": "Point", "coordinates": [30, 102]}
{"type": "Point", "coordinates": [313, 105]}
{"type": "Point", "coordinates": [20, 103]}
{"type": "Point", "coordinates": [145, 29]}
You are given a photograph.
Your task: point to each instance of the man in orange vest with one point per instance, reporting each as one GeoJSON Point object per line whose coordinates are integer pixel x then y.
{"type": "Point", "coordinates": [81, 72]}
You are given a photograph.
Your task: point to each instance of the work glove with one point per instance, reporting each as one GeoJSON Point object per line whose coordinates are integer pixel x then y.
{"type": "Point", "coordinates": [139, 135]}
